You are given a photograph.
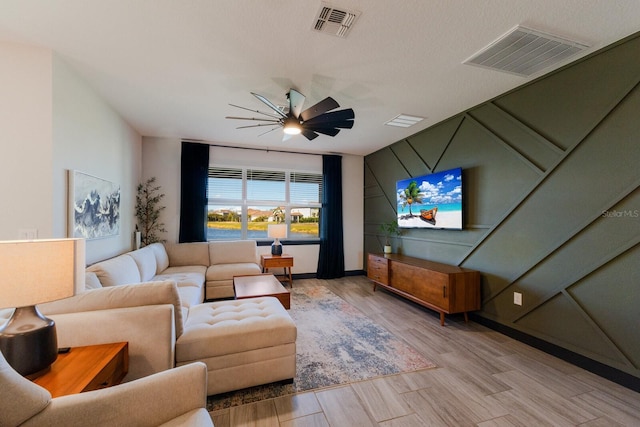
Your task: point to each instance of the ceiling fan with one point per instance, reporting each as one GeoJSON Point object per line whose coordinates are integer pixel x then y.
{"type": "Point", "coordinates": [314, 120]}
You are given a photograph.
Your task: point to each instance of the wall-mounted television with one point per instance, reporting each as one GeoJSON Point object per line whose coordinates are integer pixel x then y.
{"type": "Point", "coordinates": [431, 201]}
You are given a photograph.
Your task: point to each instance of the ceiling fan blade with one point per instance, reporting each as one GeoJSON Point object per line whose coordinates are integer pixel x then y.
{"type": "Point", "coordinates": [309, 134]}
{"type": "Point", "coordinates": [333, 116]}
{"type": "Point", "coordinates": [321, 107]}
{"type": "Point", "coordinates": [270, 105]}
{"type": "Point", "coordinates": [296, 101]}
{"type": "Point", "coordinates": [327, 131]}
{"type": "Point", "coordinates": [253, 118]}
{"type": "Point", "coordinates": [259, 125]}
{"type": "Point", "coordinates": [270, 130]}
{"type": "Point", "coordinates": [345, 124]}
{"type": "Point", "coordinates": [255, 111]}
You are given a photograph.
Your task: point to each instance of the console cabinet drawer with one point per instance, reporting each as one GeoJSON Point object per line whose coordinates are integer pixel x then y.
{"type": "Point", "coordinates": [378, 269]}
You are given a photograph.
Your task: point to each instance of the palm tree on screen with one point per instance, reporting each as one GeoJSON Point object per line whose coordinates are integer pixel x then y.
{"type": "Point", "coordinates": [411, 195]}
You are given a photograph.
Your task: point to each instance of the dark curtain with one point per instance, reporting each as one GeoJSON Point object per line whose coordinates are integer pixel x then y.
{"type": "Point", "coordinates": [331, 258]}
{"type": "Point", "coordinates": [193, 192]}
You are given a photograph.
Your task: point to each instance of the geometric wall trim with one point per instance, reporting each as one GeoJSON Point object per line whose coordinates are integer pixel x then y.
{"type": "Point", "coordinates": [551, 204]}
{"type": "Point", "coordinates": [572, 330]}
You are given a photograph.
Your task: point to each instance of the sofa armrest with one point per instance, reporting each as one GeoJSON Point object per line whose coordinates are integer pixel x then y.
{"type": "Point", "coordinates": [134, 295]}
{"type": "Point", "coordinates": [149, 401]}
{"type": "Point", "coordinates": [149, 330]}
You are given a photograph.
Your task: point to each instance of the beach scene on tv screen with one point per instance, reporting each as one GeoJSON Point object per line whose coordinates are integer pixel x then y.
{"type": "Point", "coordinates": [431, 201]}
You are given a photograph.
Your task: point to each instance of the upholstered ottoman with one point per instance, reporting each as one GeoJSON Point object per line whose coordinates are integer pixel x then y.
{"type": "Point", "coordinates": [244, 343]}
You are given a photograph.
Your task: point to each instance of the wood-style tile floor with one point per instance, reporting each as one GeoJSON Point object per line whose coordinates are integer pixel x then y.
{"type": "Point", "coordinates": [483, 378]}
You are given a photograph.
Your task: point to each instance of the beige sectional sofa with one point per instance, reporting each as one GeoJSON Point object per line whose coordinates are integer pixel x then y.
{"type": "Point", "coordinates": [202, 270]}
{"type": "Point", "coordinates": [153, 299]}
{"type": "Point", "coordinates": [243, 342]}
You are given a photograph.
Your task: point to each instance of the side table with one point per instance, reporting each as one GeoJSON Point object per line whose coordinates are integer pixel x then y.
{"type": "Point", "coordinates": [283, 261]}
{"type": "Point", "coordinates": [86, 368]}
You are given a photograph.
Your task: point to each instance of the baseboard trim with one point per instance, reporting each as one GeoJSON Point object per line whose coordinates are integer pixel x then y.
{"type": "Point", "coordinates": [612, 374]}
{"type": "Point", "coordinates": [314, 275]}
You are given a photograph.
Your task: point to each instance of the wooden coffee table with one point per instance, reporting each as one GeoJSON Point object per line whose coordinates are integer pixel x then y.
{"type": "Point", "coordinates": [261, 285]}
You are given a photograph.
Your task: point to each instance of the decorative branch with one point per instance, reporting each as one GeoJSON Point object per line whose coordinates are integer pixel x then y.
{"type": "Point", "coordinates": [148, 211]}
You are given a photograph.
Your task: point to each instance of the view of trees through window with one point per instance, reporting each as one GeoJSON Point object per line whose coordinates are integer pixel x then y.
{"type": "Point", "coordinates": [243, 202]}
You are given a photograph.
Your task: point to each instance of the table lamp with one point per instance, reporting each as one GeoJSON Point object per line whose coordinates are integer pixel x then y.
{"type": "Point", "coordinates": [277, 231]}
{"type": "Point", "coordinates": [33, 272]}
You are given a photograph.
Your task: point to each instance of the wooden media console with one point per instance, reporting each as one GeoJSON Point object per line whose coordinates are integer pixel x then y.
{"type": "Point", "coordinates": [444, 288]}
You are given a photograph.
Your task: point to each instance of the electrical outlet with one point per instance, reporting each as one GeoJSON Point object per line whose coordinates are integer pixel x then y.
{"type": "Point", "coordinates": [28, 233]}
{"type": "Point", "coordinates": [517, 298]}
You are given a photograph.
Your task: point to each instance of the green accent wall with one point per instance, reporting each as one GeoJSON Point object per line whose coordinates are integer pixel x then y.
{"type": "Point", "coordinates": [551, 175]}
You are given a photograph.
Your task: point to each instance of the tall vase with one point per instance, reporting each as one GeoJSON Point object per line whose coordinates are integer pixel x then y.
{"type": "Point", "coordinates": [137, 239]}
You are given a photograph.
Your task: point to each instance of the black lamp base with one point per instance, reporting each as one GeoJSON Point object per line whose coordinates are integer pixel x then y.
{"type": "Point", "coordinates": [276, 248]}
{"type": "Point", "coordinates": [29, 341]}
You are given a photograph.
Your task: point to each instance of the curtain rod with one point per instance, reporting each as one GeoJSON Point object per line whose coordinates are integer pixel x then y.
{"type": "Point", "coordinates": [253, 148]}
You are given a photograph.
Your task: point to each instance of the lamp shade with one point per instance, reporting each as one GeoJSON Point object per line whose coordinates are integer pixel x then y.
{"type": "Point", "coordinates": [277, 231]}
{"type": "Point", "coordinates": [38, 271]}
{"type": "Point", "coordinates": [33, 272]}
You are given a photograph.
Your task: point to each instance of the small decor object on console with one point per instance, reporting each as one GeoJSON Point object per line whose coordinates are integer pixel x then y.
{"type": "Point", "coordinates": [277, 231]}
{"type": "Point", "coordinates": [388, 229]}
{"type": "Point", "coordinates": [33, 272]}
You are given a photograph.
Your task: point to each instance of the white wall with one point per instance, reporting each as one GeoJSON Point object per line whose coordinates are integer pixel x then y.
{"type": "Point", "coordinates": [89, 136]}
{"type": "Point", "coordinates": [26, 143]}
{"type": "Point", "coordinates": [161, 158]}
{"type": "Point", "coordinates": [353, 211]}
{"type": "Point", "coordinates": [53, 121]}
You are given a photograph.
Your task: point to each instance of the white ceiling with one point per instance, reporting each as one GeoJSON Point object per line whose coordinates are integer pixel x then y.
{"type": "Point", "coordinates": [171, 68]}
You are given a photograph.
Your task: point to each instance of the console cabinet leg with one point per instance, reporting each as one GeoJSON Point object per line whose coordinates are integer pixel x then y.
{"type": "Point", "coordinates": [441, 318]}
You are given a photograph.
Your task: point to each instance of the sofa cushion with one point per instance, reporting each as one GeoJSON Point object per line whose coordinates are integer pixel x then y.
{"type": "Point", "coordinates": [120, 270]}
{"type": "Point", "coordinates": [181, 254]}
{"type": "Point", "coordinates": [193, 275]}
{"type": "Point", "coordinates": [233, 252]}
{"type": "Point", "coordinates": [227, 327]}
{"type": "Point", "coordinates": [5, 314]}
{"type": "Point", "coordinates": [195, 417]}
{"type": "Point", "coordinates": [190, 296]}
{"type": "Point", "coordinates": [21, 399]}
{"type": "Point", "coordinates": [145, 259]}
{"type": "Point", "coordinates": [227, 271]}
{"type": "Point", "coordinates": [91, 281]}
{"type": "Point", "coordinates": [162, 259]}
{"type": "Point", "coordinates": [133, 295]}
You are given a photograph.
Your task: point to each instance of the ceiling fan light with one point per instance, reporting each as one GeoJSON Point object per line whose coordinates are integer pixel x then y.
{"type": "Point", "coordinates": [292, 127]}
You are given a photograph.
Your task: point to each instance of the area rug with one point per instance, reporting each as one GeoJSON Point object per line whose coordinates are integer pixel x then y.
{"type": "Point", "coordinates": [336, 344]}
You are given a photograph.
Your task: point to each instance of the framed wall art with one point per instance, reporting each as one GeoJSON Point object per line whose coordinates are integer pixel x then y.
{"type": "Point", "coordinates": [94, 207]}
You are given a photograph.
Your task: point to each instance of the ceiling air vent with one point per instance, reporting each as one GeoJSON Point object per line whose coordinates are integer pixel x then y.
{"type": "Point", "coordinates": [524, 52]}
{"type": "Point", "coordinates": [334, 21]}
{"type": "Point", "coordinates": [404, 121]}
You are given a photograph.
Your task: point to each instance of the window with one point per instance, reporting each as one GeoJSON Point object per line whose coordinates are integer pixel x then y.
{"type": "Point", "coordinates": [242, 202]}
